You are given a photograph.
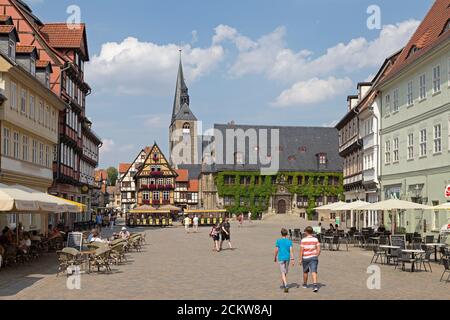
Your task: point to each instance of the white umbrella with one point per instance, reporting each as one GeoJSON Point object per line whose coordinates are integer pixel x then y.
{"type": "Point", "coordinates": [329, 206]}
{"type": "Point", "coordinates": [445, 206]}
{"type": "Point", "coordinates": [45, 201]}
{"type": "Point", "coordinates": [395, 204]}
{"type": "Point", "coordinates": [13, 199]}
{"type": "Point", "coordinates": [357, 205]}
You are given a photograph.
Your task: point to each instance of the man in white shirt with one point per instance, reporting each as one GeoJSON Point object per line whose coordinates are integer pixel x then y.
{"type": "Point", "coordinates": [187, 224]}
{"type": "Point", "coordinates": [195, 220]}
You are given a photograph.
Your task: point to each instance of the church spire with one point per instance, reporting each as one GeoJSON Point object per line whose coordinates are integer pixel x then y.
{"type": "Point", "coordinates": [181, 92]}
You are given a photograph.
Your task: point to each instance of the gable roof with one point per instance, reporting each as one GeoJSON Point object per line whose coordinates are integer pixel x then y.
{"type": "Point", "coordinates": [183, 175]}
{"type": "Point", "coordinates": [154, 148]}
{"type": "Point", "coordinates": [430, 34]}
{"type": "Point", "coordinates": [299, 148]}
{"type": "Point", "coordinates": [60, 36]}
{"type": "Point", "coordinates": [101, 175]}
{"type": "Point", "coordinates": [123, 167]}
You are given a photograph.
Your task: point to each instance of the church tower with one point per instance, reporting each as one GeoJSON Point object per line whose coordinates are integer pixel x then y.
{"type": "Point", "coordinates": [183, 126]}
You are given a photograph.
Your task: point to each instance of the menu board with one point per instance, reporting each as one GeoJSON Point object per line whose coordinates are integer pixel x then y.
{"type": "Point", "coordinates": [398, 241]}
{"type": "Point", "coordinates": [75, 240]}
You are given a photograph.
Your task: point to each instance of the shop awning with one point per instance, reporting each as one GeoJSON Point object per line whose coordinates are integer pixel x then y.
{"type": "Point", "coordinates": [445, 206]}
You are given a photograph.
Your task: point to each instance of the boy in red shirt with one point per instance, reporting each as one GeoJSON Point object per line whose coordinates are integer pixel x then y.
{"type": "Point", "coordinates": [309, 257]}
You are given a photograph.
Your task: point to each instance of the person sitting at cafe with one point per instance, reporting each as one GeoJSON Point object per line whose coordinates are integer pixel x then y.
{"type": "Point", "coordinates": [332, 227]}
{"type": "Point", "coordinates": [54, 233]}
{"type": "Point", "coordinates": [25, 243]}
{"type": "Point", "coordinates": [96, 237]}
{"type": "Point", "coordinates": [6, 237]}
{"type": "Point", "coordinates": [124, 234]}
{"type": "Point", "coordinates": [381, 228]}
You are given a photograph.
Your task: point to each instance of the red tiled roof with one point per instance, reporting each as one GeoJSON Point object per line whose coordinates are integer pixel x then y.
{"type": "Point", "coordinates": [123, 167]}
{"type": "Point", "coordinates": [25, 49]}
{"type": "Point", "coordinates": [183, 175]}
{"type": "Point", "coordinates": [6, 29]}
{"type": "Point", "coordinates": [42, 63]}
{"type": "Point", "coordinates": [101, 175]}
{"type": "Point", "coordinates": [429, 34]}
{"type": "Point", "coordinates": [147, 150]}
{"type": "Point", "coordinates": [59, 35]}
{"type": "Point", "coordinates": [193, 186]}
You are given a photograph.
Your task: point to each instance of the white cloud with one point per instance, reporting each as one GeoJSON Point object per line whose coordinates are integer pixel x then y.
{"type": "Point", "coordinates": [269, 55]}
{"type": "Point", "coordinates": [108, 146]}
{"type": "Point", "coordinates": [312, 91]}
{"type": "Point", "coordinates": [134, 67]}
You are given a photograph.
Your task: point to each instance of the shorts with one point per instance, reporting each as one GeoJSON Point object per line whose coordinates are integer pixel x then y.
{"type": "Point", "coordinates": [311, 265]}
{"type": "Point", "coordinates": [216, 238]}
{"type": "Point", "coordinates": [284, 267]}
{"type": "Point", "coordinates": [225, 237]}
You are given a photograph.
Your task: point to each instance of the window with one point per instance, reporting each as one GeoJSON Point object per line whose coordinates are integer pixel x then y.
{"type": "Point", "coordinates": [146, 195]}
{"type": "Point", "coordinates": [41, 112]}
{"type": "Point", "coordinates": [166, 195]}
{"type": "Point", "coordinates": [16, 145]}
{"type": "Point", "coordinates": [13, 95]}
{"type": "Point", "coordinates": [23, 101]}
{"type": "Point", "coordinates": [24, 148]}
{"type": "Point", "coordinates": [411, 146]}
{"type": "Point", "coordinates": [396, 152]}
{"type": "Point", "coordinates": [32, 109]}
{"type": "Point", "coordinates": [34, 152]}
{"type": "Point", "coordinates": [6, 139]}
{"type": "Point", "coordinates": [41, 154]}
{"type": "Point", "coordinates": [410, 94]}
{"type": "Point", "coordinates": [238, 158]}
{"type": "Point", "coordinates": [437, 138]}
{"type": "Point", "coordinates": [423, 86]}
{"type": "Point", "coordinates": [423, 142]}
{"type": "Point", "coordinates": [33, 66]}
{"type": "Point", "coordinates": [47, 157]}
{"type": "Point", "coordinates": [322, 158]}
{"type": "Point", "coordinates": [156, 195]}
{"type": "Point", "coordinates": [12, 49]}
{"type": "Point", "coordinates": [387, 155]}
{"type": "Point", "coordinates": [396, 100]}
{"type": "Point", "coordinates": [436, 79]}
{"type": "Point", "coordinates": [388, 104]}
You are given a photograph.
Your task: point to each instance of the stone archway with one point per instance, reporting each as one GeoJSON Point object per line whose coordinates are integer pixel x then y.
{"type": "Point", "coordinates": [281, 207]}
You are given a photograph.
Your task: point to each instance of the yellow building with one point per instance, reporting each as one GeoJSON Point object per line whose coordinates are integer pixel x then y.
{"type": "Point", "coordinates": [29, 125]}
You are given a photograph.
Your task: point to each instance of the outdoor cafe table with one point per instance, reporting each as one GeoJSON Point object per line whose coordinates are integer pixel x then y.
{"type": "Point", "coordinates": [329, 239]}
{"type": "Point", "coordinates": [436, 246]}
{"type": "Point", "coordinates": [413, 255]}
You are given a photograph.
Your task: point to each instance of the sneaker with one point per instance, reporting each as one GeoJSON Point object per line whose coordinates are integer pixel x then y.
{"type": "Point", "coordinates": [305, 286]}
{"type": "Point", "coordinates": [316, 288]}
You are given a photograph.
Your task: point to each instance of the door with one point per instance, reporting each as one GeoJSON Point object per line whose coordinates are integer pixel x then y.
{"type": "Point", "coordinates": [282, 207]}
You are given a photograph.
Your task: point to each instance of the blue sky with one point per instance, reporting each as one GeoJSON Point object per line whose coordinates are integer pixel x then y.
{"type": "Point", "coordinates": [284, 62]}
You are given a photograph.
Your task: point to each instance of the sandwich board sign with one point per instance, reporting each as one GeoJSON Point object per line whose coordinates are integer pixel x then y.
{"type": "Point", "coordinates": [447, 192]}
{"type": "Point", "coordinates": [75, 240]}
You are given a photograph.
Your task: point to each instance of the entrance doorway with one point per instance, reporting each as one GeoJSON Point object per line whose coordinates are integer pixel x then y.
{"type": "Point", "coordinates": [281, 207]}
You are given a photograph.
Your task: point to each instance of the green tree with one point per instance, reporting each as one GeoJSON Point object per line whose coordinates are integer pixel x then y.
{"type": "Point", "coordinates": [113, 174]}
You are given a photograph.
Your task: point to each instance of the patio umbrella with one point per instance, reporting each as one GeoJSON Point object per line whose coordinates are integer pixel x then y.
{"type": "Point", "coordinates": [395, 204]}
{"type": "Point", "coordinates": [46, 202]}
{"type": "Point", "coordinates": [13, 200]}
{"type": "Point", "coordinates": [445, 206]}
{"type": "Point", "coordinates": [144, 208]}
{"type": "Point", "coordinates": [357, 205]}
{"type": "Point", "coordinates": [329, 206]}
{"type": "Point", "coordinates": [171, 208]}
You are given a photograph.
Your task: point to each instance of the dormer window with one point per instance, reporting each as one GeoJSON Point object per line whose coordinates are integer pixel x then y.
{"type": "Point", "coordinates": [33, 65]}
{"type": "Point", "coordinates": [47, 78]}
{"type": "Point", "coordinates": [322, 158]}
{"type": "Point", "coordinates": [413, 50]}
{"type": "Point", "coordinates": [12, 49]}
{"type": "Point", "coordinates": [447, 26]}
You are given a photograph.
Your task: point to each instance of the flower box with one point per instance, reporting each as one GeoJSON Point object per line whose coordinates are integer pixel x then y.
{"type": "Point", "coordinates": [157, 202]}
{"type": "Point", "coordinates": [146, 202]}
{"type": "Point", "coordinates": [156, 173]}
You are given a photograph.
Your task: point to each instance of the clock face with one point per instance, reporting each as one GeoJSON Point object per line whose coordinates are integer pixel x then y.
{"type": "Point", "coordinates": [282, 189]}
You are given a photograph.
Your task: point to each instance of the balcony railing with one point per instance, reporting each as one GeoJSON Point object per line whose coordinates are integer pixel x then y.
{"type": "Point", "coordinates": [157, 187]}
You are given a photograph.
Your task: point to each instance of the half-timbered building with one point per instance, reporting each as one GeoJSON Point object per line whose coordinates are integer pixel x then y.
{"type": "Point", "coordinates": [155, 180]}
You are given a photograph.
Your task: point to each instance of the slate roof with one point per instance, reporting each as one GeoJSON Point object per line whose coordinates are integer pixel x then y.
{"type": "Point", "coordinates": [194, 170]}
{"type": "Point", "coordinates": [298, 149]}
{"type": "Point", "coordinates": [185, 114]}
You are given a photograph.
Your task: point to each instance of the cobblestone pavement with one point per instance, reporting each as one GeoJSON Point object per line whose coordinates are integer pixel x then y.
{"type": "Point", "coordinates": [176, 265]}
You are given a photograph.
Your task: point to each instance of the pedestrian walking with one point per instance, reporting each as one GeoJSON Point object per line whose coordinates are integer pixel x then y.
{"type": "Point", "coordinates": [309, 258]}
{"type": "Point", "coordinates": [226, 234]}
{"type": "Point", "coordinates": [284, 256]}
{"type": "Point", "coordinates": [215, 235]}
{"type": "Point", "coordinates": [195, 223]}
{"type": "Point", "coordinates": [250, 217]}
{"type": "Point", "coordinates": [111, 220]}
{"type": "Point", "coordinates": [99, 221]}
{"type": "Point", "coordinates": [187, 224]}
{"type": "Point", "coordinates": [241, 220]}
